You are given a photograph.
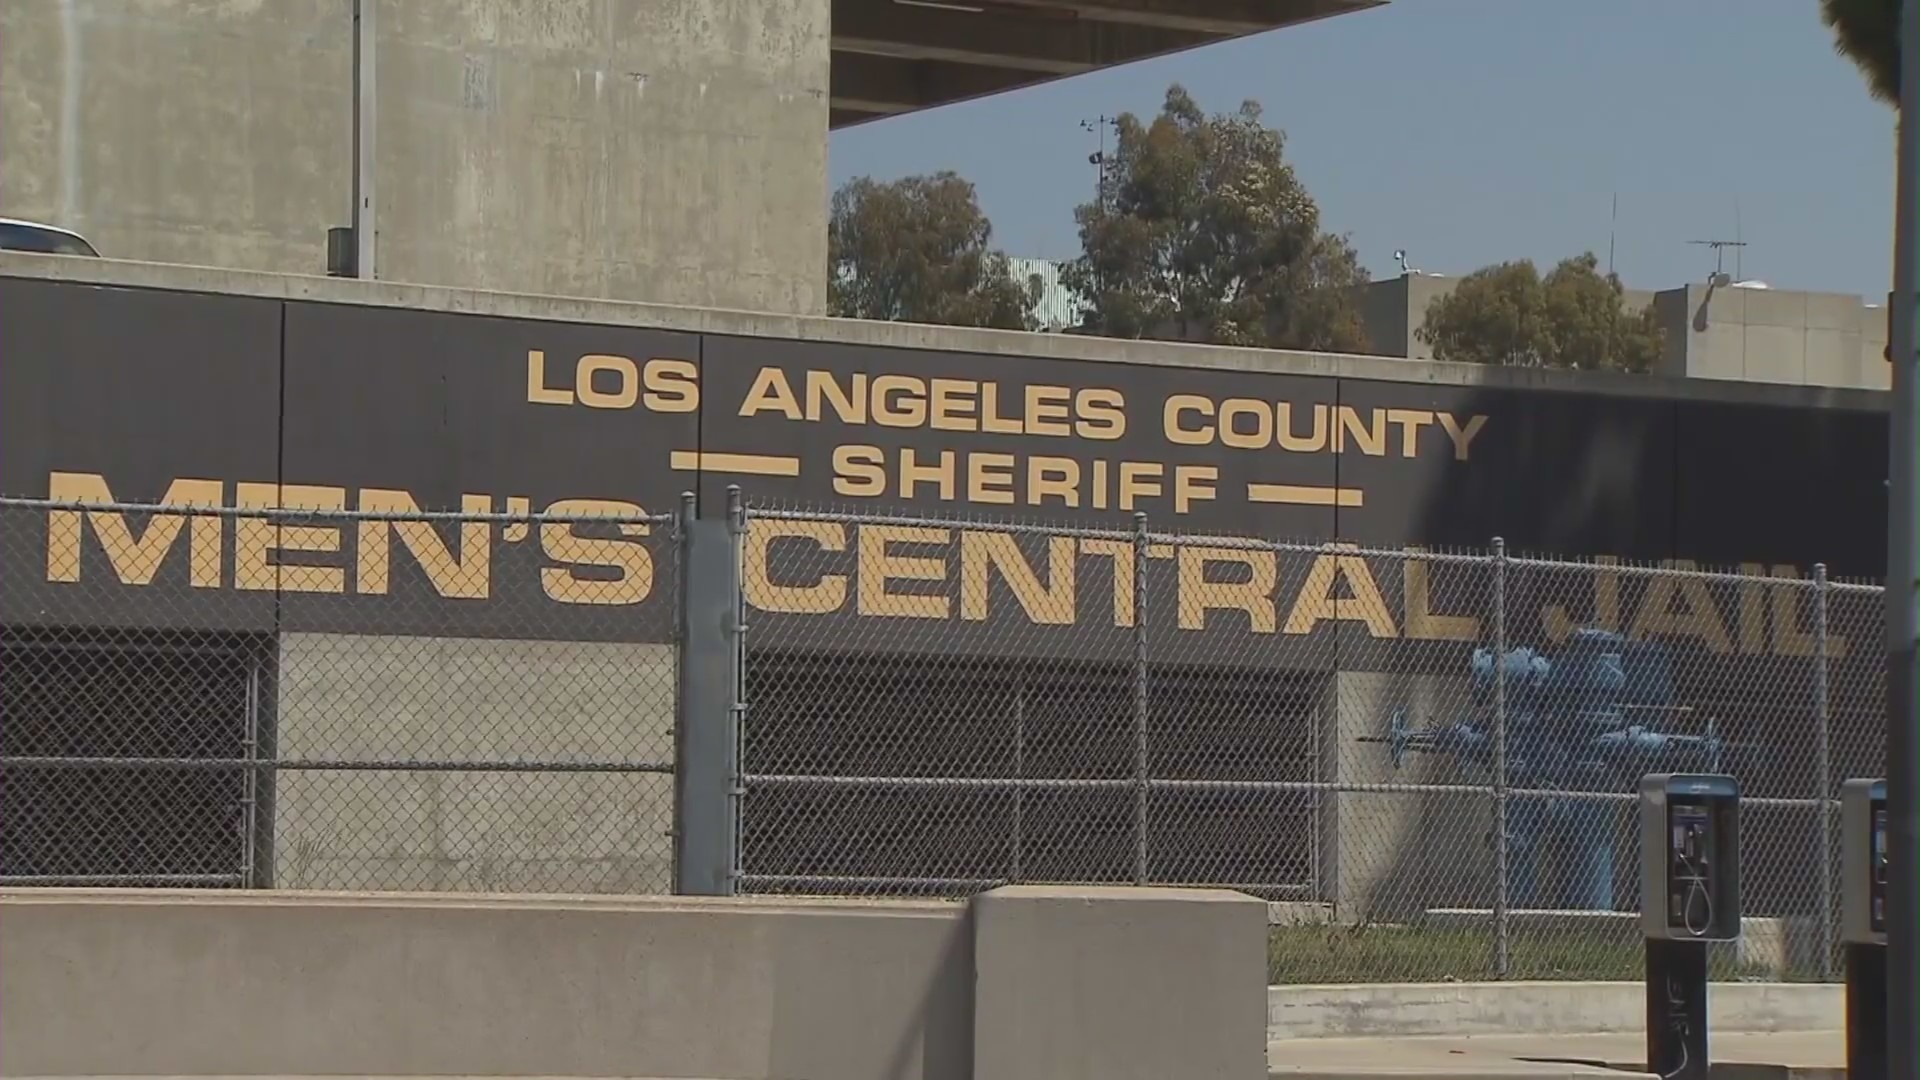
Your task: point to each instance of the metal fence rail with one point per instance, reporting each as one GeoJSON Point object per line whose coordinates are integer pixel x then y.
{"type": "Point", "coordinates": [592, 697]}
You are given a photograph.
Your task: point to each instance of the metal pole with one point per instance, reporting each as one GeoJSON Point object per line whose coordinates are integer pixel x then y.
{"type": "Point", "coordinates": [1140, 698]}
{"type": "Point", "coordinates": [1903, 568]}
{"type": "Point", "coordinates": [250, 785]}
{"type": "Point", "coordinates": [737, 679]}
{"type": "Point", "coordinates": [1020, 773]}
{"type": "Point", "coordinates": [1823, 766]}
{"type": "Point", "coordinates": [706, 773]}
{"type": "Point", "coordinates": [1502, 960]}
{"type": "Point", "coordinates": [363, 137]}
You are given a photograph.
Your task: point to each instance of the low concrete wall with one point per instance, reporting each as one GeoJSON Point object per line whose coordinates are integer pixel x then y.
{"type": "Point", "coordinates": [1114, 983]}
{"type": "Point", "coordinates": [1535, 1008]}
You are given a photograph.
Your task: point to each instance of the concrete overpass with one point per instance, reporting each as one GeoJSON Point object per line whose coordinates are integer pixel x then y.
{"type": "Point", "coordinates": [669, 151]}
{"type": "Point", "coordinates": [898, 56]}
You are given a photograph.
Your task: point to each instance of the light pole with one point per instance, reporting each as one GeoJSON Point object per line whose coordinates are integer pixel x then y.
{"type": "Point", "coordinates": [1903, 588]}
{"type": "Point", "coordinates": [363, 140]}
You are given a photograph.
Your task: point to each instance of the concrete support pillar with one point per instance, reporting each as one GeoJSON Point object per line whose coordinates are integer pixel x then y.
{"type": "Point", "coordinates": [1119, 984]}
{"type": "Point", "coordinates": [1389, 856]}
{"type": "Point", "coordinates": [669, 153]}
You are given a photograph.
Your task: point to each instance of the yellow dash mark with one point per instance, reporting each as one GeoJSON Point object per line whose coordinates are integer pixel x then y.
{"type": "Point", "coordinates": [1305, 495]}
{"type": "Point", "coordinates": [755, 464]}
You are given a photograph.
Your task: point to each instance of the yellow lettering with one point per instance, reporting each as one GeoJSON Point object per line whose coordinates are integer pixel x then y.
{"type": "Point", "coordinates": [673, 386]}
{"type": "Point", "coordinates": [1050, 603]}
{"type": "Point", "coordinates": [990, 478]}
{"type": "Point", "coordinates": [990, 418]}
{"type": "Point", "coordinates": [1606, 603]}
{"type": "Point", "coordinates": [1283, 411]}
{"type": "Point", "coordinates": [1423, 623]}
{"type": "Point", "coordinates": [1259, 436]}
{"type": "Point", "coordinates": [562, 542]}
{"type": "Point", "coordinates": [538, 392]}
{"type": "Point", "coordinates": [1138, 480]}
{"type": "Point", "coordinates": [1462, 437]}
{"type": "Point", "coordinates": [1177, 432]}
{"type": "Point", "coordinates": [626, 379]}
{"type": "Point", "coordinates": [1790, 637]}
{"type": "Point", "coordinates": [467, 578]}
{"type": "Point", "coordinates": [878, 567]}
{"type": "Point", "coordinates": [1057, 477]}
{"type": "Point", "coordinates": [1753, 607]}
{"type": "Point", "coordinates": [1121, 552]}
{"type": "Point", "coordinates": [256, 539]}
{"type": "Point", "coordinates": [849, 406]}
{"type": "Point", "coordinates": [1317, 601]}
{"type": "Point", "coordinates": [1192, 483]}
{"type": "Point", "coordinates": [1102, 412]}
{"type": "Point", "coordinates": [913, 474]}
{"type": "Point", "coordinates": [826, 595]}
{"type": "Point", "coordinates": [1698, 616]}
{"type": "Point", "coordinates": [859, 471]}
{"type": "Point", "coordinates": [1048, 410]}
{"type": "Point", "coordinates": [1254, 596]}
{"type": "Point", "coordinates": [899, 401]}
{"type": "Point", "coordinates": [134, 560]}
{"type": "Point", "coordinates": [771, 392]}
{"type": "Point", "coordinates": [1370, 437]}
{"type": "Point", "coordinates": [951, 404]}
{"type": "Point", "coordinates": [1410, 421]}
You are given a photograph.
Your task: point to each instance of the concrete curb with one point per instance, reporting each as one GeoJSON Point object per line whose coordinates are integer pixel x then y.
{"type": "Point", "coordinates": [1534, 1008]}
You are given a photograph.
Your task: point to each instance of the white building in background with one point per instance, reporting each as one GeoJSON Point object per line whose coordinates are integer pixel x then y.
{"type": "Point", "coordinates": [1056, 309]}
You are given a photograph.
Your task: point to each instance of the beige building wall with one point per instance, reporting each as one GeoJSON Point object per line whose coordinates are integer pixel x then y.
{"type": "Point", "coordinates": [416, 699]}
{"type": "Point", "coordinates": [1728, 332]}
{"type": "Point", "coordinates": [670, 151]}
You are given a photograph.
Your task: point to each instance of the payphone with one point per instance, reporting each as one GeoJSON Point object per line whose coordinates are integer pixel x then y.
{"type": "Point", "coordinates": [1863, 923]}
{"type": "Point", "coordinates": [1689, 896]}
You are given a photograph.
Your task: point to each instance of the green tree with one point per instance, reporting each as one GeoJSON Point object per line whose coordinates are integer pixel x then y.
{"type": "Point", "coordinates": [1574, 317]}
{"type": "Point", "coordinates": [915, 250]}
{"type": "Point", "coordinates": [1867, 32]}
{"type": "Point", "coordinates": [1203, 232]}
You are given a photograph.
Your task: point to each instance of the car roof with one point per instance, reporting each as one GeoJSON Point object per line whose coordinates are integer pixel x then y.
{"type": "Point", "coordinates": [41, 225]}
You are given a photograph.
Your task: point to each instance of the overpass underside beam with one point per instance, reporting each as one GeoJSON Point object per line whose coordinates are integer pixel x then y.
{"type": "Point", "coordinates": [897, 56]}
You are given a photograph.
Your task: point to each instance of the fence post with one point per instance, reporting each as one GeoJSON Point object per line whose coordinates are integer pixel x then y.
{"type": "Point", "coordinates": [1823, 766]}
{"type": "Point", "coordinates": [1018, 873]}
{"type": "Point", "coordinates": [1501, 918]}
{"type": "Point", "coordinates": [706, 755]}
{"type": "Point", "coordinates": [1140, 546]}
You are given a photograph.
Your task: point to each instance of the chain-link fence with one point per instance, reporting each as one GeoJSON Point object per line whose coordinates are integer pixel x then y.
{"type": "Point", "coordinates": [386, 698]}
{"type": "Point", "coordinates": [374, 699]}
{"type": "Point", "coordinates": [934, 707]}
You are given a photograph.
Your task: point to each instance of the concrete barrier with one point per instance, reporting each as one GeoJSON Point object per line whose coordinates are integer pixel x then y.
{"type": "Point", "coordinates": [1113, 983]}
{"type": "Point", "coordinates": [1535, 1008]}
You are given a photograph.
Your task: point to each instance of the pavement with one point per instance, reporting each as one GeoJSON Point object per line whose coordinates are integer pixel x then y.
{"type": "Point", "coordinates": [1796, 1055]}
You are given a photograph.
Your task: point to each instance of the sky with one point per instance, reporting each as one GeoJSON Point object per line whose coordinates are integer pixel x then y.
{"type": "Point", "coordinates": [1475, 131]}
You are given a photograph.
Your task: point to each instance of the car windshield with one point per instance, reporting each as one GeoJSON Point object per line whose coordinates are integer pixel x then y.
{"type": "Point", "coordinates": [15, 237]}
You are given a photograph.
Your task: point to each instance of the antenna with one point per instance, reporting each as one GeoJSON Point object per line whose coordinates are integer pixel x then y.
{"type": "Point", "coordinates": [1739, 237]}
{"type": "Point", "coordinates": [1098, 159]}
{"type": "Point", "coordinates": [1613, 227]}
{"type": "Point", "coordinates": [1720, 256]}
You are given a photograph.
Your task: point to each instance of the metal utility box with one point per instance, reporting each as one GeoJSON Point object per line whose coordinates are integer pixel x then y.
{"type": "Point", "coordinates": [1863, 862]}
{"type": "Point", "coordinates": [1689, 857]}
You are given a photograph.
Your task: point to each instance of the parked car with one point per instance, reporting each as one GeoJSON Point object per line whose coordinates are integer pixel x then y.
{"type": "Point", "coordinates": [17, 235]}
